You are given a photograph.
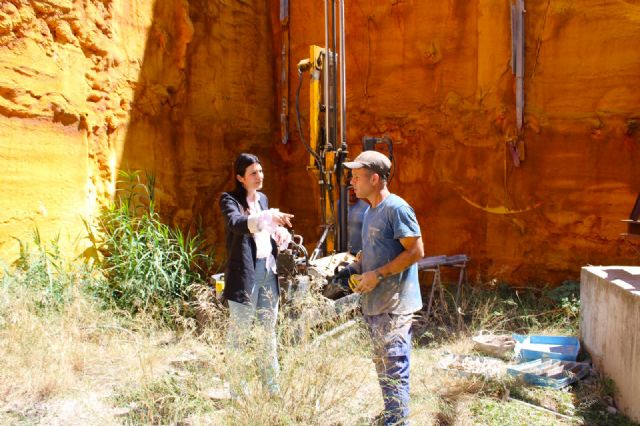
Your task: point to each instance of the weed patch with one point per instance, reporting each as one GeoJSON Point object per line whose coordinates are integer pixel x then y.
{"type": "Point", "coordinates": [42, 271]}
{"type": "Point", "coordinates": [148, 265]}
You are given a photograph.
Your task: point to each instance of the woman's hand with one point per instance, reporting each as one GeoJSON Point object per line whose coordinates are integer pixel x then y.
{"type": "Point", "coordinates": [269, 220]}
{"type": "Point", "coordinates": [282, 219]}
{"type": "Point", "coordinates": [282, 238]}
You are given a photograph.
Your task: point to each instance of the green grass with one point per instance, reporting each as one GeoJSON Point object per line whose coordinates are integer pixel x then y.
{"type": "Point", "coordinates": [41, 269]}
{"type": "Point", "coordinates": [490, 412]}
{"type": "Point", "coordinates": [501, 309]}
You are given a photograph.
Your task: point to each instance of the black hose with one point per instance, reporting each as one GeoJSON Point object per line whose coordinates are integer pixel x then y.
{"type": "Point", "coordinates": [299, 126]}
{"type": "Point", "coordinates": [393, 160]}
{"type": "Point", "coordinates": [300, 249]}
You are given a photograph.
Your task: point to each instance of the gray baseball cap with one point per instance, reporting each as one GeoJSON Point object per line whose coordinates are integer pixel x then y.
{"type": "Point", "coordinates": [372, 160]}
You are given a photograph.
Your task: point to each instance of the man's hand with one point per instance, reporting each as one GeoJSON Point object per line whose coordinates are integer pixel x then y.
{"type": "Point", "coordinates": [368, 282]}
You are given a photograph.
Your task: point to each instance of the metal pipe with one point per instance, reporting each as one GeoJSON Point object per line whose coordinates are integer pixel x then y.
{"type": "Point", "coordinates": [323, 175]}
{"type": "Point", "coordinates": [334, 77]}
{"type": "Point", "coordinates": [284, 75]}
{"type": "Point", "coordinates": [343, 215]}
{"type": "Point", "coordinates": [318, 249]}
{"type": "Point", "coordinates": [343, 81]}
{"type": "Point", "coordinates": [326, 67]}
{"type": "Point", "coordinates": [334, 331]}
{"type": "Point", "coordinates": [520, 63]}
{"type": "Point", "coordinates": [514, 29]}
{"type": "Point", "coordinates": [341, 144]}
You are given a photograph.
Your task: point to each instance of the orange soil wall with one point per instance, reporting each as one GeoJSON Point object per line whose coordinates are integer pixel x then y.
{"type": "Point", "coordinates": [67, 76]}
{"type": "Point", "coordinates": [436, 77]}
{"type": "Point", "coordinates": [175, 88]}
{"type": "Point", "coordinates": [179, 87]}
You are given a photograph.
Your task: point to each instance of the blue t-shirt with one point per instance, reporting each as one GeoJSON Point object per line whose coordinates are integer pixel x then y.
{"type": "Point", "coordinates": [355, 217]}
{"type": "Point", "coordinates": [382, 229]}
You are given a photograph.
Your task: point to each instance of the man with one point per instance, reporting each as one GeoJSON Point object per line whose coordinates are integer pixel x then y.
{"type": "Point", "coordinates": [338, 287]}
{"type": "Point", "coordinates": [391, 246]}
{"type": "Point", "coordinates": [355, 216]}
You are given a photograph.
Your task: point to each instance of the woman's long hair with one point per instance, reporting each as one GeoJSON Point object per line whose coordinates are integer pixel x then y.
{"type": "Point", "coordinates": [243, 161]}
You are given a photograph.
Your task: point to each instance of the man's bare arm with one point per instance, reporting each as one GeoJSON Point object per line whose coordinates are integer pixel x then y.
{"type": "Point", "coordinates": [413, 251]}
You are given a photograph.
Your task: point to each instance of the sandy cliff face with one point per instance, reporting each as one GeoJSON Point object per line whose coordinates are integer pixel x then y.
{"type": "Point", "coordinates": [205, 94]}
{"type": "Point", "coordinates": [175, 88]}
{"type": "Point", "coordinates": [68, 71]}
{"type": "Point", "coordinates": [179, 87]}
{"type": "Point", "coordinates": [436, 77]}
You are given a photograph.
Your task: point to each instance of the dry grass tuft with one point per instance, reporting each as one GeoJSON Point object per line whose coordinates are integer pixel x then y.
{"type": "Point", "coordinates": [51, 355]}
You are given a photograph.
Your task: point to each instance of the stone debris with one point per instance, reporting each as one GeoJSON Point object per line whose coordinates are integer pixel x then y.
{"type": "Point", "coordinates": [466, 365]}
{"type": "Point", "coordinates": [218, 392]}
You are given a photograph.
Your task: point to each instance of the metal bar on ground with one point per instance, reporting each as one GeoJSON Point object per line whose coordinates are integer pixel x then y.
{"type": "Point", "coordinates": [334, 331]}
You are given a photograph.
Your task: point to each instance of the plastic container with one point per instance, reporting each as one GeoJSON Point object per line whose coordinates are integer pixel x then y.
{"type": "Point", "coordinates": [550, 373]}
{"type": "Point", "coordinates": [529, 348]}
{"type": "Point", "coordinates": [219, 284]}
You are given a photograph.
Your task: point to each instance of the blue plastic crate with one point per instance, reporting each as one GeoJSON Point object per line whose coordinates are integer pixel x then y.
{"type": "Point", "coordinates": [550, 373]}
{"type": "Point", "coordinates": [529, 348]}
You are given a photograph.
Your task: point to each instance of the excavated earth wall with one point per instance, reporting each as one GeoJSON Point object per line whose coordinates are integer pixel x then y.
{"type": "Point", "coordinates": [436, 77]}
{"type": "Point", "coordinates": [178, 87]}
{"type": "Point", "coordinates": [174, 88]}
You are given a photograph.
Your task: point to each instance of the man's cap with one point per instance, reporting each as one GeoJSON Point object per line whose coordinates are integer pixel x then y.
{"type": "Point", "coordinates": [372, 160]}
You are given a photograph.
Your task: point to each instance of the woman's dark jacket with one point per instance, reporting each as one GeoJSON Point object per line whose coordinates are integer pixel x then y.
{"type": "Point", "coordinates": [239, 274]}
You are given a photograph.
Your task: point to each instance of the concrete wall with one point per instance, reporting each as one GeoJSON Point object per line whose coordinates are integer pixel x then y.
{"type": "Point", "coordinates": [610, 328]}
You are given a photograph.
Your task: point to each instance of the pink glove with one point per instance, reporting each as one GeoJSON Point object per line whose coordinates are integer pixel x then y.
{"type": "Point", "coordinates": [282, 237]}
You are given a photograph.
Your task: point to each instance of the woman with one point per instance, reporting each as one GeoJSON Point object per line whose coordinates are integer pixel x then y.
{"type": "Point", "coordinates": [254, 233]}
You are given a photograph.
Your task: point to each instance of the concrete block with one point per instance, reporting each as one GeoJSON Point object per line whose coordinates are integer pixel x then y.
{"type": "Point", "coordinates": [610, 328]}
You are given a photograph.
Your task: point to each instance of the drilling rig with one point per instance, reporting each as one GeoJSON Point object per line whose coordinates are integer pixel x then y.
{"type": "Point", "coordinates": [303, 276]}
{"type": "Point", "coordinates": [327, 144]}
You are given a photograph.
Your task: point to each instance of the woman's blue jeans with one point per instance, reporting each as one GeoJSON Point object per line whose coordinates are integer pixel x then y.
{"type": "Point", "coordinates": [262, 311]}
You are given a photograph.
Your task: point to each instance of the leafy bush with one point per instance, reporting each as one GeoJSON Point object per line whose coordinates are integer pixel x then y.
{"type": "Point", "coordinates": [567, 295]}
{"type": "Point", "coordinates": [148, 265]}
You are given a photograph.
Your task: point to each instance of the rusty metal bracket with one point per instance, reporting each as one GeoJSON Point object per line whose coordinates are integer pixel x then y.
{"type": "Point", "coordinates": [633, 224]}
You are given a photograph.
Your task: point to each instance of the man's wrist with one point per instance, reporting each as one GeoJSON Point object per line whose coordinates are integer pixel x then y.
{"type": "Point", "coordinates": [379, 275]}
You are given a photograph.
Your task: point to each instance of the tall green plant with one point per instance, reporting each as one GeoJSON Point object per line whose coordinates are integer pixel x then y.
{"type": "Point", "coordinates": [42, 270]}
{"type": "Point", "coordinates": [148, 265]}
